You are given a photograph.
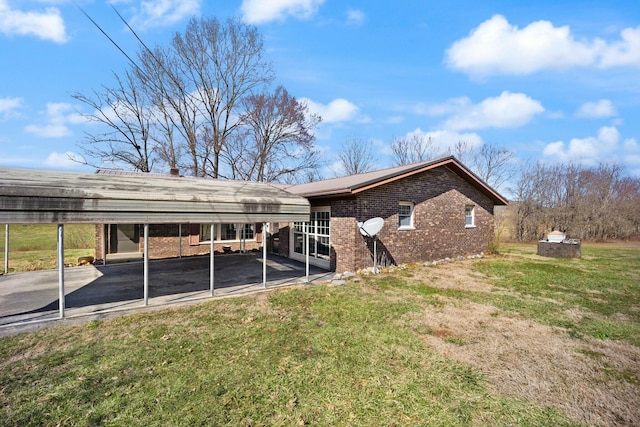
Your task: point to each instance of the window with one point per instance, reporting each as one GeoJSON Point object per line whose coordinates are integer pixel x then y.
{"type": "Point", "coordinates": [205, 232]}
{"type": "Point", "coordinates": [405, 215]}
{"type": "Point", "coordinates": [247, 231]}
{"type": "Point", "coordinates": [469, 217]}
{"type": "Point", "coordinates": [227, 232]}
{"type": "Point", "coordinates": [319, 235]}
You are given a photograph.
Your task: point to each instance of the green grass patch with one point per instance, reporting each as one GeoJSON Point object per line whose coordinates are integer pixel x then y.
{"type": "Point", "coordinates": [34, 246]}
{"type": "Point", "coordinates": [318, 355]}
{"type": "Point", "coordinates": [603, 285]}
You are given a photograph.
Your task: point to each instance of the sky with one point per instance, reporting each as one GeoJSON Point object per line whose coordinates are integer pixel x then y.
{"type": "Point", "coordinates": [553, 81]}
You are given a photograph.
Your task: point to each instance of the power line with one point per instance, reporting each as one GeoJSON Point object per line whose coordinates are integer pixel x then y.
{"type": "Point", "coordinates": [107, 35]}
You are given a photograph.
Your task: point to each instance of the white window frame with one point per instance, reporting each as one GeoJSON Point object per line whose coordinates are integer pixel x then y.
{"type": "Point", "coordinates": [317, 236]}
{"type": "Point", "coordinates": [469, 216]}
{"type": "Point", "coordinates": [217, 232]}
{"type": "Point", "coordinates": [411, 206]}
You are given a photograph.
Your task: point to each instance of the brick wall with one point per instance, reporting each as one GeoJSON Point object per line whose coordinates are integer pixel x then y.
{"type": "Point", "coordinates": [560, 249]}
{"type": "Point", "coordinates": [439, 196]}
{"type": "Point", "coordinates": [345, 237]}
{"type": "Point", "coordinates": [100, 237]}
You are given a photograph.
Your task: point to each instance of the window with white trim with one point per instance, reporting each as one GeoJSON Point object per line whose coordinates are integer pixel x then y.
{"type": "Point", "coordinates": [227, 232]}
{"type": "Point", "coordinates": [405, 215]}
{"type": "Point", "coordinates": [319, 235]}
{"type": "Point", "coordinates": [469, 216]}
{"type": "Point", "coordinates": [205, 232]}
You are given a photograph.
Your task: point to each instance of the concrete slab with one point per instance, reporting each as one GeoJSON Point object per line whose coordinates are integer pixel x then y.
{"type": "Point", "coordinates": [30, 300]}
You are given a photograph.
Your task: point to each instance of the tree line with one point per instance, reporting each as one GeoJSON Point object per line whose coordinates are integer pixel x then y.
{"type": "Point", "coordinates": [592, 203]}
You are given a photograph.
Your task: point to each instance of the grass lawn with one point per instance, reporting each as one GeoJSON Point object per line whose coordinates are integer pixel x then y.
{"type": "Point", "coordinates": [34, 246]}
{"type": "Point", "coordinates": [362, 354]}
{"type": "Point", "coordinates": [603, 286]}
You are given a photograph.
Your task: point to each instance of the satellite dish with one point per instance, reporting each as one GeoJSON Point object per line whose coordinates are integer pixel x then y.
{"type": "Point", "coordinates": [371, 227]}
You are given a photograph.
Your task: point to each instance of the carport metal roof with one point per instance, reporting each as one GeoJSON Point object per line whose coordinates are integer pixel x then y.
{"type": "Point", "coordinates": [41, 197]}
{"type": "Point", "coordinates": [34, 196]}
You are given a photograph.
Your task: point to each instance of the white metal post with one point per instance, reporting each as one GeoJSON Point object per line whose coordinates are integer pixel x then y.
{"type": "Point", "coordinates": [264, 255]}
{"type": "Point", "coordinates": [211, 260]}
{"type": "Point", "coordinates": [107, 240]}
{"type": "Point", "coordinates": [6, 249]}
{"type": "Point", "coordinates": [61, 269]}
{"type": "Point", "coordinates": [146, 265]}
{"type": "Point", "coordinates": [375, 255]}
{"type": "Point", "coordinates": [306, 246]}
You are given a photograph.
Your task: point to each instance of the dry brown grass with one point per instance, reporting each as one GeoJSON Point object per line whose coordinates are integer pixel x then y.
{"type": "Point", "coordinates": [583, 378]}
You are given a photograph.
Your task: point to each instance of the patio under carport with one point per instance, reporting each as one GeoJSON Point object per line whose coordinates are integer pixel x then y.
{"type": "Point", "coordinates": [95, 292]}
{"type": "Point", "coordinates": [37, 197]}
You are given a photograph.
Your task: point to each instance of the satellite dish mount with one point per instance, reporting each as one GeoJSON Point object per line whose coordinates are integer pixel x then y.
{"type": "Point", "coordinates": [371, 228]}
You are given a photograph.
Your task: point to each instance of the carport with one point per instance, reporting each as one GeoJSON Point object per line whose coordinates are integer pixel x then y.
{"type": "Point", "coordinates": [49, 197]}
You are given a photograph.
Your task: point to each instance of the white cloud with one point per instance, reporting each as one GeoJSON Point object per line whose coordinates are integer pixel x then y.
{"type": "Point", "coordinates": [507, 110]}
{"type": "Point", "coordinates": [63, 160]}
{"type": "Point", "coordinates": [261, 11]}
{"type": "Point", "coordinates": [598, 109]}
{"type": "Point", "coordinates": [51, 130]}
{"type": "Point", "coordinates": [589, 151]}
{"type": "Point", "coordinates": [338, 110]}
{"type": "Point", "coordinates": [498, 47]}
{"type": "Point", "coordinates": [623, 52]}
{"type": "Point", "coordinates": [355, 17]}
{"type": "Point", "coordinates": [8, 106]}
{"type": "Point", "coordinates": [47, 25]}
{"type": "Point", "coordinates": [631, 144]}
{"type": "Point", "coordinates": [161, 13]}
{"type": "Point", "coordinates": [57, 116]}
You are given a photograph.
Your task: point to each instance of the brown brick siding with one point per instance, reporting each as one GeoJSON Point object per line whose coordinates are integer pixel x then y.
{"type": "Point", "coordinates": [284, 239]}
{"type": "Point", "coordinates": [100, 238]}
{"type": "Point", "coordinates": [439, 196]}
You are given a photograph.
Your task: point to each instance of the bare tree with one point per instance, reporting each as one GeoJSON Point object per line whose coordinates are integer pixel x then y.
{"type": "Point", "coordinates": [172, 93]}
{"type": "Point", "coordinates": [167, 149]}
{"type": "Point", "coordinates": [412, 149]}
{"type": "Point", "coordinates": [195, 83]}
{"type": "Point", "coordinates": [462, 150]}
{"type": "Point", "coordinates": [279, 141]}
{"type": "Point", "coordinates": [356, 157]}
{"type": "Point", "coordinates": [124, 112]}
{"type": "Point", "coordinates": [224, 63]}
{"type": "Point", "coordinates": [493, 164]}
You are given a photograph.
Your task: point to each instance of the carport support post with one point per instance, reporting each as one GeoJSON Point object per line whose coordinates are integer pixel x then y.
{"type": "Point", "coordinates": [306, 250]}
{"type": "Point", "coordinates": [61, 269]}
{"type": "Point", "coordinates": [6, 249]}
{"type": "Point", "coordinates": [146, 265]}
{"type": "Point", "coordinates": [211, 259]}
{"type": "Point", "coordinates": [264, 255]}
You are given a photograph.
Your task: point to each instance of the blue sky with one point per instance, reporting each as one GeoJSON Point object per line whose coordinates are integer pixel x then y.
{"type": "Point", "coordinates": [550, 80]}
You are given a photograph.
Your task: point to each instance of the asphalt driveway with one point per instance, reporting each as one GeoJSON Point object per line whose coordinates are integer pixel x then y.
{"type": "Point", "coordinates": [100, 291]}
